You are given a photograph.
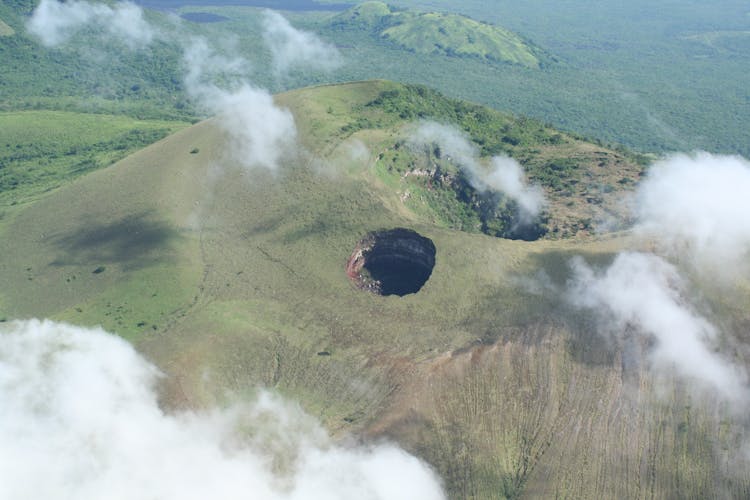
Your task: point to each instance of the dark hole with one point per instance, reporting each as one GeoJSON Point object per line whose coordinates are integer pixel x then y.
{"type": "Point", "coordinates": [392, 262]}
{"type": "Point", "coordinates": [398, 275]}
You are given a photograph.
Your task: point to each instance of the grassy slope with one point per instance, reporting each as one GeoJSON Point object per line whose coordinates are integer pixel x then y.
{"type": "Point", "coordinates": [460, 36]}
{"type": "Point", "coordinates": [432, 32]}
{"type": "Point", "coordinates": [241, 274]}
{"type": "Point", "coordinates": [5, 30]}
{"type": "Point", "coordinates": [89, 225]}
{"type": "Point", "coordinates": [64, 114]}
{"type": "Point", "coordinates": [40, 150]}
{"type": "Point", "coordinates": [583, 182]}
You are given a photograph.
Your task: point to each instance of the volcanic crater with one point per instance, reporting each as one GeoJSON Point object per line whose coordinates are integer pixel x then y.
{"type": "Point", "coordinates": [392, 262]}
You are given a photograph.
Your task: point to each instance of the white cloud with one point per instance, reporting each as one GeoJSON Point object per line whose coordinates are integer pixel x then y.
{"type": "Point", "coordinates": [644, 293]}
{"type": "Point", "coordinates": [292, 48]}
{"type": "Point", "coordinates": [260, 133]}
{"type": "Point", "coordinates": [697, 206]}
{"type": "Point", "coordinates": [357, 151]}
{"type": "Point", "coordinates": [507, 176]}
{"type": "Point", "coordinates": [504, 175]}
{"type": "Point", "coordinates": [55, 22]}
{"type": "Point", "coordinates": [79, 419]}
{"type": "Point", "coordinates": [203, 65]}
{"type": "Point", "coordinates": [452, 142]}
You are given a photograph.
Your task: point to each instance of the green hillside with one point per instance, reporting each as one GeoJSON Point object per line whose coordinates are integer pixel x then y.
{"type": "Point", "coordinates": [435, 33]}
{"type": "Point", "coordinates": [685, 98]}
{"type": "Point", "coordinates": [5, 30]}
{"type": "Point", "coordinates": [369, 15]}
{"type": "Point", "coordinates": [40, 150]}
{"type": "Point", "coordinates": [460, 36]}
{"type": "Point", "coordinates": [582, 181]}
{"type": "Point", "coordinates": [229, 279]}
{"type": "Point", "coordinates": [118, 209]}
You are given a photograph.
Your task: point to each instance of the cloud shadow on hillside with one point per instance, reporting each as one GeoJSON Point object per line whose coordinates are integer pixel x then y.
{"type": "Point", "coordinates": [132, 242]}
{"type": "Point", "coordinates": [540, 308]}
{"type": "Point", "coordinates": [586, 344]}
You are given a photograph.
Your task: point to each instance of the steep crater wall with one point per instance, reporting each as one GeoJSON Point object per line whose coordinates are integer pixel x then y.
{"type": "Point", "coordinates": [430, 181]}
{"type": "Point", "coordinates": [392, 262]}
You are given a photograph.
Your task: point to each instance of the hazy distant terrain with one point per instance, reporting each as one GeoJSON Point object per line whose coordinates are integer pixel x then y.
{"type": "Point", "coordinates": [288, 5]}
{"type": "Point", "coordinates": [672, 78]}
{"type": "Point", "coordinates": [652, 62]}
{"type": "Point", "coordinates": [668, 87]}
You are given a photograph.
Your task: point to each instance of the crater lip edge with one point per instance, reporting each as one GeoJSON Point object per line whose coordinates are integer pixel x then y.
{"type": "Point", "coordinates": [395, 261]}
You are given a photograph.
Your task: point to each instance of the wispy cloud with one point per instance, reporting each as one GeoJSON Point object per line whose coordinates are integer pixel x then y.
{"type": "Point", "coordinates": [692, 210]}
{"type": "Point", "coordinates": [696, 207]}
{"type": "Point", "coordinates": [56, 22]}
{"type": "Point", "coordinates": [260, 132]}
{"type": "Point", "coordinates": [79, 419]}
{"type": "Point", "coordinates": [643, 294]}
{"type": "Point", "coordinates": [503, 175]}
{"type": "Point", "coordinates": [292, 48]}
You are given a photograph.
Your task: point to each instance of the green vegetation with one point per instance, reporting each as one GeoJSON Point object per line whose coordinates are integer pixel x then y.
{"type": "Point", "coordinates": [459, 36]}
{"type": "Point", "coordinates": [430, 180]}
{"type": "Point", "coordinates": [143, 85]}
{"type": "Point", "coordinates": [19, 7]}
{"type": "Point", "coordinates": [736, 42]}
{"type": "Point", "coordinates": [579, 177]}
{"type": "Point", "coordinates": [63, 113]}
{"type": "Point", "coordinates": [647, 86]}
{"type": "Point", "coordinates": [494, 132]}
{"type": "Point", "coordinates": [41, 150]}
{"type": "Point", "coordinates": [446, 34]}
{"type": "Point", "coordinates": [366, 15]}
{"type": "Point", "coordinates": [497, 387]}
{"type": "Point", "coordinates": [72, 77]}
{"type": "Point", "coordinates": [239, 282]}
{"type": "Point", "coordinates": [653, 76]}
{"type": "Point", "coordinates": [556, 161]}
{"type": "Point", "coordinates": [434, 189]}
{"type": "Point", "coordinates": [142, 305]}
{"type": "Point", "coordinates": [500, 388]}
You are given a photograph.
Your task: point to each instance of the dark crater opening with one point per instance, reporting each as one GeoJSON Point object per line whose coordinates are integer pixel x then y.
{"type": "Point", "coordinates": [392, 262]}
